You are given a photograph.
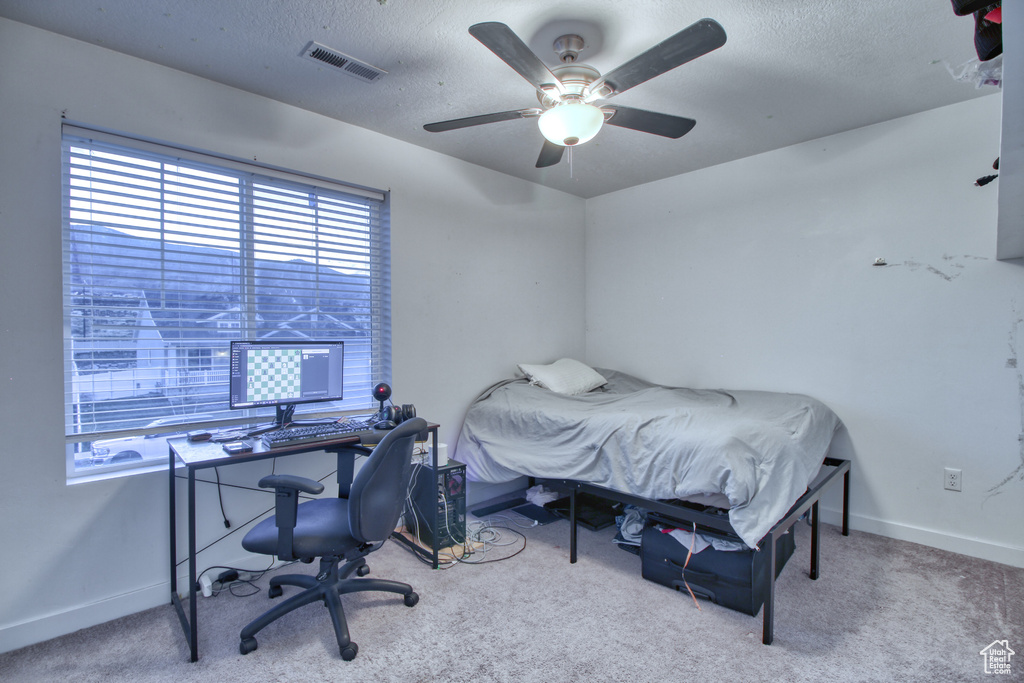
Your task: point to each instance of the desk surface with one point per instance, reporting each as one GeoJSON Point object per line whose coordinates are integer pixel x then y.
{"type": "Point", "coordinates": [202, 452]}
{"type": "Point", "coordinates": [211, 453]}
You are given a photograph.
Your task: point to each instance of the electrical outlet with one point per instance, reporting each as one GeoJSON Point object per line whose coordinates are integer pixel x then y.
{"type": "Point", "coordinates": [952, 479]}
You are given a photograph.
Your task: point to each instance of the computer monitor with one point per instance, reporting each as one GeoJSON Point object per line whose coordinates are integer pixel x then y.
{"type": "Point", "coordinates": [285, 373]}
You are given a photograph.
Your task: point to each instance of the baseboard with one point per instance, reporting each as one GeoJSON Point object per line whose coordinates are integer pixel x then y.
{"type": "Point", "coordinates": [962, 545]}
{"type": "Point", "coordinates": [51, 626]}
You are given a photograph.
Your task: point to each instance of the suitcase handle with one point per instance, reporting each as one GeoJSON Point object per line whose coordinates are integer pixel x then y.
{"type": "Point", "coordinates": [697, 590]}
{"type": "Point", "coordinates": [687, 572]}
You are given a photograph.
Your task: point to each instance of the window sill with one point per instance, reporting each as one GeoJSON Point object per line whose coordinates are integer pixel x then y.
{"type": "Point", "coordinates": [117, 474]}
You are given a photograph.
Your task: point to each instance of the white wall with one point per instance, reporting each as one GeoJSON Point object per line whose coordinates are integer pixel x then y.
{"type": "Point", "coordinates": [757, 274]}
{"type": "Point", "coordinates": [487, 270]}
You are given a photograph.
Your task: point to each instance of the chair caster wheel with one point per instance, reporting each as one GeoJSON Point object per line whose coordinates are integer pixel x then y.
{"type": "Point", "coordinates": [349, 652]}
{"type": "Point", "coordinates": [411, 599]}
{"type": "Point", "coordinates": [275, 592]}
{"type": "Point", "coordinates": [363, 570]}
{"type": "Point", "coordinates": [247, 645]}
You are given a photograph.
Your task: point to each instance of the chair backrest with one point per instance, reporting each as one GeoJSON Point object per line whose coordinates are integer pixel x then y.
{"type": "Point", "coordinates": [378, 491]}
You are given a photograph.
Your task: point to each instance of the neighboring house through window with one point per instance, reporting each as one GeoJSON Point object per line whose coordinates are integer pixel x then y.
{"type": "Point", "coordinates": [170, 254]}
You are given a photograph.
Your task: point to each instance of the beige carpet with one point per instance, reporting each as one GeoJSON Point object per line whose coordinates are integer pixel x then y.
{"type": "Point", "coordinates": [883, 610]}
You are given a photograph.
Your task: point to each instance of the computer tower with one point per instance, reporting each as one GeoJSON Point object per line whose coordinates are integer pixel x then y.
{"type": "Point", "coordinates": [438, 505]}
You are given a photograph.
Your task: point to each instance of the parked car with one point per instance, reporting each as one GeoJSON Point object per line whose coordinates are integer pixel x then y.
{"type": "Point", "coordinates": [135, 448]}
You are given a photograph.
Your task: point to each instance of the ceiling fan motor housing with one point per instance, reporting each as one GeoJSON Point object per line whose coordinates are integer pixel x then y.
{"type": "Point", "coordinates": [574, 78]}
{"type": "Point", "coordinates": [575, 121]}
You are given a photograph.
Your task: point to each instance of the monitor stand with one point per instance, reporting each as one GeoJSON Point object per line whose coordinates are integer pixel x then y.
{"type": "Point", "coordinates": [281, 418]}
{"type": "Point", "coordinates": [284, 415]}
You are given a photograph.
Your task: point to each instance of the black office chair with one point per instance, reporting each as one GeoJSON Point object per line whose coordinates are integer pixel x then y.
{"type": "Point", "coordinates": [336, 530]}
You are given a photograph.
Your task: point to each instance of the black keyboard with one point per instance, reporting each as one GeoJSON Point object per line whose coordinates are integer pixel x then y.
{"type": "Point", "coordinates": [300, 434]}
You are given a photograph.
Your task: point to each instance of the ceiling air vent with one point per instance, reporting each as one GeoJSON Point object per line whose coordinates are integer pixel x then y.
{"type": "Point", "coordinates": [349, 65]}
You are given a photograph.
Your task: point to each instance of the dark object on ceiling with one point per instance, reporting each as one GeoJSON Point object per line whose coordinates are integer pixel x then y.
{"type": "Point", "coordinates": [962, 8]}
{"type": "Point", "coordinates": [988, 28]}
{"type": "Point", "coordinates": [988, 37]}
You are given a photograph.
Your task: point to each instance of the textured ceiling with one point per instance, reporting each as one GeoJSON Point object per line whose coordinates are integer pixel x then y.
{"type": "Point", "coordinates": [791, 70]}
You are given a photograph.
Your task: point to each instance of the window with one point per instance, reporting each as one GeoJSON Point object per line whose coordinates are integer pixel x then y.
{"type": "Point", "coordinates": [170, 254]}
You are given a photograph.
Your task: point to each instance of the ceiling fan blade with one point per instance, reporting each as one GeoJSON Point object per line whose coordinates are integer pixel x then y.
{"type": "Point", "coordinates": [468, 121]}
{"type": "Point", "coordinates": [500, 40]}
{"type": "Point", "coordinates": [645, 121]}
{"type": "Point", "coordinates": [550, 154]}
{"type": "Point", "coordinates": [693, 41]}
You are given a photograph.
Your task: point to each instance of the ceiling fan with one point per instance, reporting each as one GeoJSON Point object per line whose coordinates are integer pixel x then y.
{"type": "Point", "coordinates": [567, 113]}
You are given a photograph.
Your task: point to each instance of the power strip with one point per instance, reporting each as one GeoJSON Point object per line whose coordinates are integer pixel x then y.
{"type": "Point", "coordinates": [208, 586]}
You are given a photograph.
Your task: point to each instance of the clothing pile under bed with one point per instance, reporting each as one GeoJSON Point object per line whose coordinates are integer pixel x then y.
{"type": "Point", "coordinates": [751, 452]}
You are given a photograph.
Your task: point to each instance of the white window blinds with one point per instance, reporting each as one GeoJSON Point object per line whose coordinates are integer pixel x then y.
{"type": "Point", "coordinates": [170, 254]}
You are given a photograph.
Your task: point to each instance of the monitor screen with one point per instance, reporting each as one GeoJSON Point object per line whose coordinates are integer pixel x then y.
{"type": "Point", "coordinates": [283, 373]}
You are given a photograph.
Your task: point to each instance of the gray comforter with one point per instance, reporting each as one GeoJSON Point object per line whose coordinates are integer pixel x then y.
{"type": "Point", "coordinates": [759, 449]}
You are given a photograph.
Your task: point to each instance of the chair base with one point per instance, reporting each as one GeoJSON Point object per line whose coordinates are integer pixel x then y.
{"type": "Point", "coordinates": [329, 585]}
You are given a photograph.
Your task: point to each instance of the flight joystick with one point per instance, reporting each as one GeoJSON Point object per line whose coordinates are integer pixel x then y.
{"type": "Point", "coordinates": [389, 417]}
{"type": "Point", "coordinates": [381, 393]}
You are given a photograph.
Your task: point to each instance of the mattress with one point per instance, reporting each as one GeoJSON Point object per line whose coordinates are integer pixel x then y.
{"type": "Point", "coordinates": [752, 451]}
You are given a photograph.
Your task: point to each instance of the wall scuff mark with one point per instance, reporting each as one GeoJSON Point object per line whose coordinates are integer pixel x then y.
{"type": "Point", "coordinates": [951, 262]}
{"type": "Point", "coordinates": [947, 278]}
{"type": "Point", "coordinates": [1015, 352]}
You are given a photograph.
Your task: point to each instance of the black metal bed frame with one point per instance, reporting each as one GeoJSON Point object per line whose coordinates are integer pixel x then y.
{"type": "Point", "coordinates": [690, 515]}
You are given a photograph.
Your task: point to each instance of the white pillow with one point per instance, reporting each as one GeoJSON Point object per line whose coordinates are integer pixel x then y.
{"type": "Point", "coordinates": [565, 376]}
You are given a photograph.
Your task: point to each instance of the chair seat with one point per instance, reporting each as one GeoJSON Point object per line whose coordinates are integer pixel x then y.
{"type": "Point", "coordinates": [321, 529]}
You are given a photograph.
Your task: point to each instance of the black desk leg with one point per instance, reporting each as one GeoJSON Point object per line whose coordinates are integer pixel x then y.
{"type": "Point", "coordinates": [437, 522]}
{"type": "Point", "coordinates": [193, 642]}
{"type": "Point", "coordinates": [572, 525]}
{"type": "Point", "coordinates": [768, 622]}
{"type": "Point", "coordinates": [815, 537]}
{"type": "Point", "coordinates": [173, 529]}
{"type": "Point", "coordinates": [846, 502]}
{"type": "Point", "coordinates": [188, 628]}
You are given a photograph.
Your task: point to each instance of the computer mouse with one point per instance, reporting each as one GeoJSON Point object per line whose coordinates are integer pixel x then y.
{"type": "Point", "coordinates": [385, 424]}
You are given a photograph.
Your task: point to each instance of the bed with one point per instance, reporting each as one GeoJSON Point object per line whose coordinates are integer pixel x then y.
{"type": "Point", "coordinates": [687, 454]}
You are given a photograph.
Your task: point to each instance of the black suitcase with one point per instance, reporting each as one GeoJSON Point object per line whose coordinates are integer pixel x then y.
{"type": "Point", "coordinates": [737, 579]}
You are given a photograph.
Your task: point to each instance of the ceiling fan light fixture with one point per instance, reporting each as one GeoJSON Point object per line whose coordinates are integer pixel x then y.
{"type": "Point", "coordinates": [571, 123]}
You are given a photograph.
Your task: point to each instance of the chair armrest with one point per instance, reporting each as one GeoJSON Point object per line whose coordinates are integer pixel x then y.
{"type": "Point", "coordinates": [286, 493]}
{"type": "Point", "coordinates": [290, 481]}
